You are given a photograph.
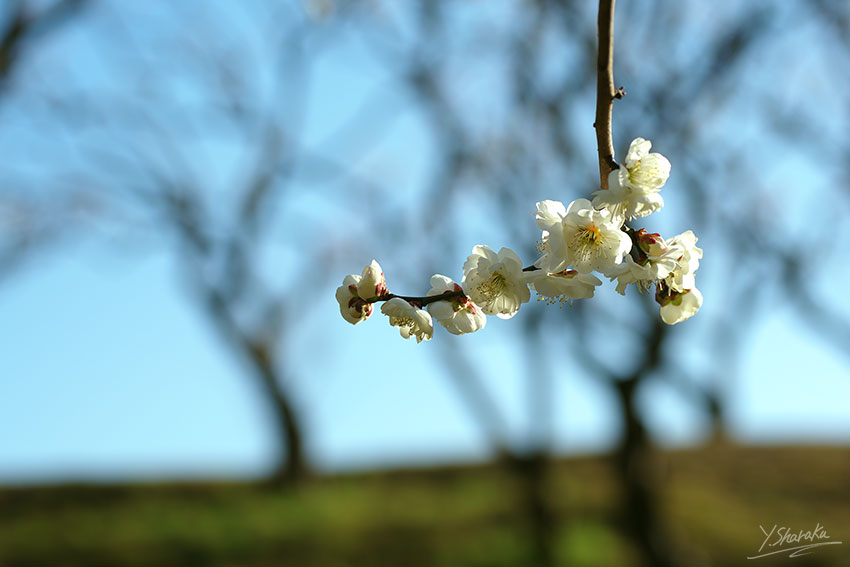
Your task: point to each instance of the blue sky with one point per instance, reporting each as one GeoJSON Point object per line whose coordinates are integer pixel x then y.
{"type": "Point", "coordinates": [110, 371]}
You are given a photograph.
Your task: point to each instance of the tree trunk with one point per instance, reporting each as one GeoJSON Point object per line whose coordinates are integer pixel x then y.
{"type": "Point", "coordinates": [530, 473]}
{"type": "Point", "coordinates": [637, 478]}
{"type": "Point", "coordinates": [293, 467]}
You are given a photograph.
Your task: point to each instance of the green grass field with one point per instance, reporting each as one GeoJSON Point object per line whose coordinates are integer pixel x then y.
{"type": "Point", "coordinates": [713, 500]}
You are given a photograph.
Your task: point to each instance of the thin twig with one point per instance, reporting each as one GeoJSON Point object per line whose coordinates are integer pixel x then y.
{"type": "Point", "coordinates": [605, 91]}
{"type": "Point", "coordinates": [420, 301]}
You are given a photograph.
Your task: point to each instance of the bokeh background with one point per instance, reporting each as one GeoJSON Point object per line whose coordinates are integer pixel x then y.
{"type": "Point", "coordinates": [183, 185]}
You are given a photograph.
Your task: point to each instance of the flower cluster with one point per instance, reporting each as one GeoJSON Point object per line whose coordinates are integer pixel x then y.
{"type": "Point", "coordinates": [578, 239]}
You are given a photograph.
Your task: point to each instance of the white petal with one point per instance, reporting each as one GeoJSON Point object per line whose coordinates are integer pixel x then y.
{"type": "Point", "coordinates": [685, 307]}
{"type": "Point", "coordinates": [441, 310]}
{"type": "Point", "coordinates": [370, 281]}
{"type": "Point", "coordinates": [549, 213]}
{"type": "Point", "coordinates": [440, 284]}
{"type": "Point", "coordinates": [637, 149]}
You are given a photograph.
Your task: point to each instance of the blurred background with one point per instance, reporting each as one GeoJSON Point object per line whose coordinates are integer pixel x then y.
{"type": "Point", "coordinates": [183, 185]}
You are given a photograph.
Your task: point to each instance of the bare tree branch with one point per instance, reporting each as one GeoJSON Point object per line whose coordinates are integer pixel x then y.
{"type": "Point", "coordinates": [605, 91]}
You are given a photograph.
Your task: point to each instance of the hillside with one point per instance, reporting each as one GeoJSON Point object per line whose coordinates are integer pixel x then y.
{"type": "Point", "coordinates": [714, 500]}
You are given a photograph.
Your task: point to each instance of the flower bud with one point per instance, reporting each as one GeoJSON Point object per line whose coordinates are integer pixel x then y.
{"type": "Point", "coordinates": [372, 282]}
{"type": "Point", "coordinates": [352, 308]}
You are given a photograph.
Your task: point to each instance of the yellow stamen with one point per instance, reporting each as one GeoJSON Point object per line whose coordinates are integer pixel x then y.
{"type": "Point", "coordinates": [493, 287]}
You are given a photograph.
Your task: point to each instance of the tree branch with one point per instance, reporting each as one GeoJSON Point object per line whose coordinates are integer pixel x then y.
{"type": "Point", "coordinates": [23, 23]}
{"type": "Point", "coordinates": [605, 91]}
{"type": "Point", "coordinates": [421, 301]}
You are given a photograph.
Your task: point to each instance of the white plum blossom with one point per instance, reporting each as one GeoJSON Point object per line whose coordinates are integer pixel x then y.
{"type": "Point", "coordinates": [563, 286]}
{"type": "Point", "coordinates": [580, 236]}
{"type": "Point", "coordinates": [644, 170]}
{"type": "Point", "coordinates": [630, 272]}
{"type": "Point", "coordinates": [550, 218]}
{"type": "Point", "coordinates": [678, 306]}
{"type": "Point", "coordinates": [372, 282]}
{"type": "Point", "coordinates": [458, 315]}
{"type": "Point", "coordinates": [411, 321]}
{"type": "Point", "coordinates": [494, 281]}
{"type": "Point", "coordinates": [677, 293]}
{"type": "Point", "coordinates": [633, 188]}
{"type": "Point", "coordinates": [681, 277]}
{"type": "Point", "coordinates": [625, 202]}
{"type": "Point", "coordinates": [355, 293]}
{"type": "Point", "coordinates": [656, 259]}
{"type": "Point", "coordinates": [352, 307]}
{"type": "Point", "coordinates": [580, 241]}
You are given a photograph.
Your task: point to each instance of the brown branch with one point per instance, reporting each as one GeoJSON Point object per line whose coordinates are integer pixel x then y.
{"type": "Point", "coordinates": [421, 301]}
{"type": "Point", "coordinates": [605, 91]}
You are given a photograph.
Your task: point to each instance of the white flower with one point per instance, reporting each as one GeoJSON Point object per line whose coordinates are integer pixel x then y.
{"type": "Point", "coordinates": [580, 236]}
{"type": "Point", "coordinates": [625, 202]}
{"type": "Point", "coordinates": [681, 278]}
{"type": "Point", "coordinates": [677, 293]}
{"type": "Point", "coordinates": [353, 308]}
{"type": "Point", "coordinates": [458, 315]}
{"type": "Point", "coordinates": [563, 286]}
{"type": "Point", "coordinates": [644, 171]}
{"type": "Point", "coordinates": [631, 272]}
{"type": "Point", "coordinates": [372, 283]}
{"type": "Point", "coordinates": [495, 281]}
{"type": "Point", "coordinates": [656, 259]}
{"type": "Point", "coordinates": [633, 188]}
{"type": "Point", "coordinates": [678, 306]}
{"type": "Point", "coordinates": [411, 322]}
{"type": "Point", "coordinates": [550, 218]}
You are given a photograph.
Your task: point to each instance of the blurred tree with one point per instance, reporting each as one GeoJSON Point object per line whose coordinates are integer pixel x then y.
{"type": "Point", "coordinates": [506, 93]}
{"type": "Point", "coordinates": [198, 133]}
{"type": "Point", "coordinates": [20, 26]}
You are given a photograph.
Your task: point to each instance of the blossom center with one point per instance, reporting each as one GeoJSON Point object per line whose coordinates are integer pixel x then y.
{"type": "Point", "coordinates": [644, 174]}
{"type": "Point", "coordinates": [635, 173]}
{"type": "Point", "coordinates": [587, 241]}
{"type": "Point", "coordinates": [494, 286]}
{"type": "Point", "coordinates": [403, 321]}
